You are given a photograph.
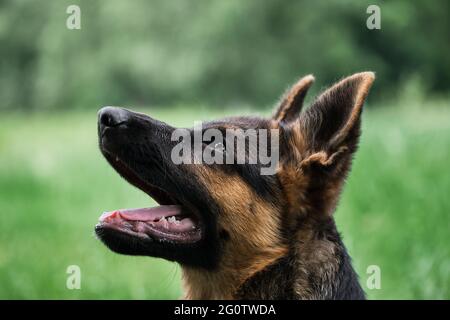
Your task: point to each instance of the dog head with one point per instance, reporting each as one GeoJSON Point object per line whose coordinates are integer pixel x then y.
{"type": "Point", "coordinates": [229, 216]}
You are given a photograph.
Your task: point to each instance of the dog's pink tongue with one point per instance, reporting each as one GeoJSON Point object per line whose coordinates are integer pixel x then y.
{"type": "Point", "coordinates": [143, 214]}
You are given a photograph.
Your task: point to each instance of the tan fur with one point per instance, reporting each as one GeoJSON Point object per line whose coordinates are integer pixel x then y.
{"type": "Point", "coordinates": [364, 81]}
{"type": "Point", "coordinates": [294, 183]}
{"type": "Point", "coordinates": [322, 158]}
{"type": "Point", "coordinates": [253, 226]}
{"type": "Point", "coordinates": [298, 91]}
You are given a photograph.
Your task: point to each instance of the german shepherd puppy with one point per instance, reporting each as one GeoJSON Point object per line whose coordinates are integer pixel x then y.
{"type": "Point", "coordinates": [238, 234]}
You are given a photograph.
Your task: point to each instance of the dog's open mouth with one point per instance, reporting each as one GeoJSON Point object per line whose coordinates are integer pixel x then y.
{"type": "Point", "coordinates": [165, 222]}
{"type": "Point", "coordinates": [169, 222]}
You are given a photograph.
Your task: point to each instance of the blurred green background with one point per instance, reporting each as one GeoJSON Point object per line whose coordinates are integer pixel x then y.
{"type": "Point", "coordinates": [182, 61]}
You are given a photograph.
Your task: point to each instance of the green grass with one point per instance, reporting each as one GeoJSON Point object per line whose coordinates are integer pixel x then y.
{"type": "Point", "coordinates": [54, 184]}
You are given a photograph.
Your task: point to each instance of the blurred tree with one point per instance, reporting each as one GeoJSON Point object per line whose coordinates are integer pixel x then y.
{"type": "Point", "coordinates": [217, 52]}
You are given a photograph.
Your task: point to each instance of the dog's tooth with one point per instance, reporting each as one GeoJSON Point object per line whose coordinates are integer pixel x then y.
{"type": "Point", "coordinates": [174, 220]}
{"type": "Point", "coordinates": [117, 158]}
{"type": "Point", "coordinates": [164, 221]}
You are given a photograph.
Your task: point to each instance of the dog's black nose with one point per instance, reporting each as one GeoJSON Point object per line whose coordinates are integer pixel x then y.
{"type": "Point", "coordinates": [112, 116]}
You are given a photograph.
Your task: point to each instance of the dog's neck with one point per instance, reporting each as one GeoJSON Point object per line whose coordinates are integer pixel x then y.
{"type": "Point", "coordinates": [225, 281]}
{"type": "Point", "coordinates": [316, 266]}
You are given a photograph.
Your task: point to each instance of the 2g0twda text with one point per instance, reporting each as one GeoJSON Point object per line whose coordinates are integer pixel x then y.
{"type": "Point", "coordinates": [246, 309]}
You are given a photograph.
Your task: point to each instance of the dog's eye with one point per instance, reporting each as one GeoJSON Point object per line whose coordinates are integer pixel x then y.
{"type": "Point", "coordinates": [219, 147]}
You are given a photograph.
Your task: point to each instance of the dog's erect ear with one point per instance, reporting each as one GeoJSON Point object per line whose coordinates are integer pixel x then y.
{"type": "Point", "coordinates": [331, 126]}
{"type": "Point", "coordinates": [292, 101]}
